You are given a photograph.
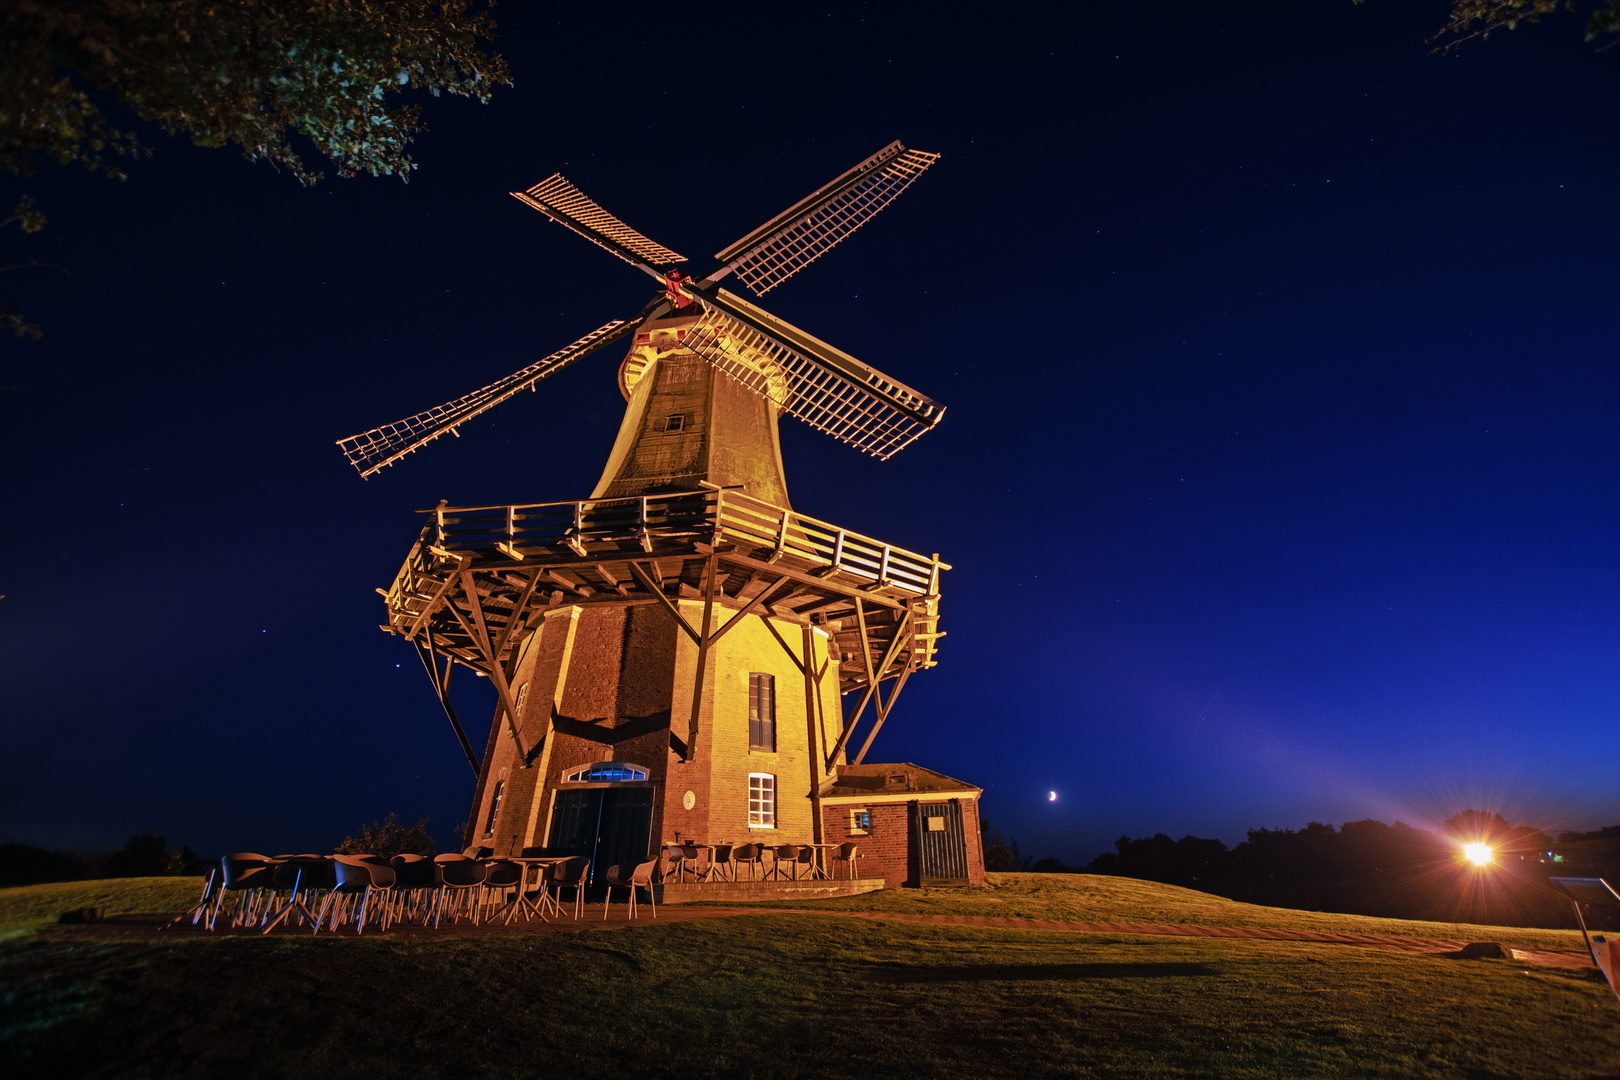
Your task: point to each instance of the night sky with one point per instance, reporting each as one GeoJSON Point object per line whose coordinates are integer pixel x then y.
{"type": "Point", "coordinates": [1278, 472]}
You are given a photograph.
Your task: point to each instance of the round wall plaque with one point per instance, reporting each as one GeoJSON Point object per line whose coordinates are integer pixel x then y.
{"type": "Point", "coordinates": [689, 800]}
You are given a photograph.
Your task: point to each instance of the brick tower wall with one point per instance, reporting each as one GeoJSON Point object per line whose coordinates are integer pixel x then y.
{"type": "Point", "coordinates": [609, 681]}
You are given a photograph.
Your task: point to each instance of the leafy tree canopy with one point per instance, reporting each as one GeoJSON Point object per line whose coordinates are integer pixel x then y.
{"type": "Point", "coordinates": [248, 72]}
{"type": "Point", "coordinates": [387, 838]}
{"type": "Point", "coordinates": [1477, 18]}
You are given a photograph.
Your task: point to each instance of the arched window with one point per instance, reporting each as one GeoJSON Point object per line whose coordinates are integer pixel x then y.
{"type": "Point", "coordinates": [604, 772]}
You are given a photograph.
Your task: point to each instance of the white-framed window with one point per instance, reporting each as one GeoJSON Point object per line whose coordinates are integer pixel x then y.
{"type": "Point", "coordinates": [762, 712]}
{"type": "Point", "coordinates": [494, 806]}
{"type": "Point", "coordinates": [674, 425]}
{"type": "Point", "coordinates": [761, 801]}
{"type": "Point", "coordinates": [604, 772]}
{"type": "Point", "coordinates": [860, 822]}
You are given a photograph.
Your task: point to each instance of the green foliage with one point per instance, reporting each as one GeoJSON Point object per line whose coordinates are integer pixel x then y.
{"type": "Point", "coordinates": [30, 219]}
{"type": "Point", "coordinates": [1000, 852]}
{"type": "Point", "coordinates": [1471, 19]}
{"type": "Point", "coordinates": [387, 838]}
{"type": "Point", "coordinates": [245, 73]}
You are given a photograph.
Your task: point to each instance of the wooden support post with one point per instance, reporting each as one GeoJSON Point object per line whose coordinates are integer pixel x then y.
{"type": "Point", "coordinates": [901, 635]}
{"type": "Point", "coordinates": [811, 697]}
{"type": "Point", "coordinates": [704, 641]}
{"type": "Point", "coordinates": [883, 712]}
{"type": "Point", "coordinates": [518, 611]}
{"type": "Point", "coordinates": [647, 583]}
{"type": "Point", "coordinates": [441, 686]}
{"type": "Point", "coordinates": [481, 637]}
{"type": "Point", "coordinates": [749, 609]}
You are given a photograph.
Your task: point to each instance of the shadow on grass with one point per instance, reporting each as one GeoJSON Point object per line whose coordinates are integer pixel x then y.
{"type": "Point", "coordinates": [1036, 972]}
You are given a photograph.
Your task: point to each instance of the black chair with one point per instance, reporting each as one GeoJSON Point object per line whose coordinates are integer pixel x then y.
{"type": "Point", "coordinates": [787, 855]}
{"type": "Point", "coordinates": [752, 854]}
{"type": "Point", "coordinates": [415, 880]}
{"type": "Point", "coordinates": [248, 875]}
{"type": "Point", "coordinates": [359, 879]}
{"type": "Point", "coordinates": [569, 874]}
{"type": "Point", "coordinates": [501, 875]}
{"type": "Point", "coordinates": [459, 877]}
{"type": "Point", "coordinates": [301, 878]}
{"type": "Point", "coordinates": [720, 864]}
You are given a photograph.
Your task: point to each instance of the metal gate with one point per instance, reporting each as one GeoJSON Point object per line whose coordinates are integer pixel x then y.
{"type": "Point", "coordinates": [610, 826]}
{"type": "Point", "coordinates": [941, 844]}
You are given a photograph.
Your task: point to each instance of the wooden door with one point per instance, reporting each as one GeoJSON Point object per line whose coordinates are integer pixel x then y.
{"type": "Point", "coordinates": [941, 843]}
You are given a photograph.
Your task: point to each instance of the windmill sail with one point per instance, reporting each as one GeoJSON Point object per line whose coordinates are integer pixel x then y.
{"type": "Point", "coordinates": [826, 388]}
{"type": "Point", "coordinates": [374, 450]}
{"type": "Point", "coordinates": [811, 227]}
{"type": "Point", "coordinates": [565, 204]}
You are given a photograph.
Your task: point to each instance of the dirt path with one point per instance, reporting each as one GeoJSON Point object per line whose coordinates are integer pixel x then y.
{"type": "Point", "coordinates": [150, 928]}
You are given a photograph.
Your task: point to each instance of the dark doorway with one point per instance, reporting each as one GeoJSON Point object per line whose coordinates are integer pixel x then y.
{"type": "Point", "coordinates": [608, 825]}
{"type": "Point", "coordinates": [941, 842]}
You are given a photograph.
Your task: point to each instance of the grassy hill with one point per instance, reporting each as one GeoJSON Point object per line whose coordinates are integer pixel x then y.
{"type": "Point", "coordinates": [798, 996]}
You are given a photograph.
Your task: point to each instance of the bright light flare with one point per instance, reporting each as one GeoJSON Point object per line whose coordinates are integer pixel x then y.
{"type": "Point", "coordinates": [1051, 796]}
{"type": "Point", "coordinates": [1479, 854]}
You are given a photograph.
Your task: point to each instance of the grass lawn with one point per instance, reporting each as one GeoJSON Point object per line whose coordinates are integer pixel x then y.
{"type": "Point", "coordinates": [1096, 898]}
{"type": "Point", "coordinates": [788, 996]}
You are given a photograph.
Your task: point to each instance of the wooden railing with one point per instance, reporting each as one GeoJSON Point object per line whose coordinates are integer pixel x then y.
{"type": "Point", "coordinates": [710, 514]}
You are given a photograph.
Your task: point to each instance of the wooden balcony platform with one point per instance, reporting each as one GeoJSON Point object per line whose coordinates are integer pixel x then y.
{"type": "Point", "coordinates": [479, 578]}
{"type": "Point", "coordinates": [776, 891]}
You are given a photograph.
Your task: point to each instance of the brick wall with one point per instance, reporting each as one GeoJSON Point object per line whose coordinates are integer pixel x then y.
{"type": "Point", "coordinates": [888, 850]}
{"type": "Point", "coordinates": [620, 677]}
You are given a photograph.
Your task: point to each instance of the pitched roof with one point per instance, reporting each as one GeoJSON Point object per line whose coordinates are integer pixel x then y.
{"type": "Point", "coordinates": [857, 781]}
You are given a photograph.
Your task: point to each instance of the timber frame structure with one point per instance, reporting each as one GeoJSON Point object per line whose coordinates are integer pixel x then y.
{"type": "Point", "coordinates": [480, 579]}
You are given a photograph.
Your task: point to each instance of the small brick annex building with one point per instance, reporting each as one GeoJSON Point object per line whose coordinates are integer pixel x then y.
{"type": "Point", "coordinates": [913, 826]}
{"type": "Point", "coordinates": [682, 657]}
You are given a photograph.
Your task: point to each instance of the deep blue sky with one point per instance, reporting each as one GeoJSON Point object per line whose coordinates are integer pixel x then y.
{"type": "Point", "coordinates": [1278, 472]}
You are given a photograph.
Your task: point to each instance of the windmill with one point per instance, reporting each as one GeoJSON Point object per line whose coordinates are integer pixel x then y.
{"type": "Point", "coordinates": [826, 388]}
{"type": "Point", "coordinates": [597, 620]}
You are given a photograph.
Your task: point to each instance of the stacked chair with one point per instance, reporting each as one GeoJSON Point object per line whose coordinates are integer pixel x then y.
{"type": "Point", "coordinates": [461, 882]}
{"type": "Point", "coordinates": [416, 887]}
{"type": "Point", "coordinates": [253, 891]}
{"type": "Point", "coordinates": [361, 892]}
{"type": "Point", "coordinates": [247, 876]}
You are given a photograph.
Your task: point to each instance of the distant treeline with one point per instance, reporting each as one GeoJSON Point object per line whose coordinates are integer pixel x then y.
{"type": "Point", "coordinates": [149, 855]}
{"type": "Point", "coordinates": [1367, 868]}
{"type": "Point", "coordinates": [145, 855]}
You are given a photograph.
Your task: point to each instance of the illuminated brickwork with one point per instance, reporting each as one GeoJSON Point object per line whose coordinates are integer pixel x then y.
{"type": "Point", "coordinates": [609, 682]}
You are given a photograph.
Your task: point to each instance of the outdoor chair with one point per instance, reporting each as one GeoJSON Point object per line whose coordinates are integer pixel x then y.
{"type": "Point", "coordinates": [500, 877]}
{"type": "Point", "coordinates": [641, 877]}
{"type": "Point", "coordinates": [414, 884]}
{"type": "Point", "coordinates": [847, 855]}
{"type": "Point", "coordinates": [459, 877]}
{"type": "Point", "coordinates": [787, 855]}
{"type": "Point", "coordinates": [691, 856]}
{"type": "Point", "coordinates": [568, 875]}
{"type": "Point", "coordinates": [752, 854]}
{"type": "Point", "coordinates": [720, 864]}
{"type": "Point", "coordinates": [247, 874]}
{"type": "Point", "coordinates": [363, 879]}
{"type": "Point", "coordinates": [198, 912]}
{"type": "Point", "coordinates": [300, 877]}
